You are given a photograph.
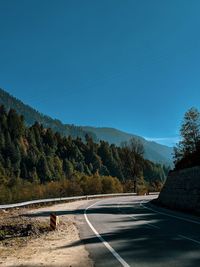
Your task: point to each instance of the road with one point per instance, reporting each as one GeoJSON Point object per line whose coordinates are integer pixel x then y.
{"type": "Point", "coordinates": [129, 231]}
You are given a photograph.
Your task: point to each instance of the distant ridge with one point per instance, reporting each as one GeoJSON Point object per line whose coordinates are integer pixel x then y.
{"type": "Point", "coordinates": [153, 151]}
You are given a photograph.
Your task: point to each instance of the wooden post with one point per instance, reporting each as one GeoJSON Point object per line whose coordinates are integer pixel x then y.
{"type": "Point", "coordinates": [54, 220]}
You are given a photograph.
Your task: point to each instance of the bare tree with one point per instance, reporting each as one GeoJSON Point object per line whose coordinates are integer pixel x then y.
{"type": "Point", "coordinates": [136, 146]}
{"type": "Point", "coordinates": [133, 155]}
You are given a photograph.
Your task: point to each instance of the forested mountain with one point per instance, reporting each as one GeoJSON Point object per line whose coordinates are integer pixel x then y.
{"type": "Point", "coordinates": [60, 165]}
{"type": "Point", "coordinates": [152, 150]}
{"type": "Point", "coordinates": [31, 116]}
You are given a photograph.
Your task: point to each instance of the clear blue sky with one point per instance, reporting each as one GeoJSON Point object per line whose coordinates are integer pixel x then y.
{"type": "Point", "coordinates": [132, 65]}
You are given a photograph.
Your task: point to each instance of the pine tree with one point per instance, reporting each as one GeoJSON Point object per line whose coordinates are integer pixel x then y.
{"type": "Point", "coordinates": [190, 135]}
{"type": "Point", "coordinates": [43, 170]}
{"type": "Point", "coordinates": [68, 168]}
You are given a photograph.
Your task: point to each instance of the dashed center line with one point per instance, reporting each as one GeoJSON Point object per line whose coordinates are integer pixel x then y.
{"type": "Point", "coordinates": [141, 221]}
{"type": "Point", "coordinates": [176, 217]}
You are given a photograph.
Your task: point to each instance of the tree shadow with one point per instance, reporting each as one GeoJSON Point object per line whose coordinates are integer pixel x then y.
{"type": "Point", "coordinates": [140, 236]}
{"type": "Point", "coordinates": [141, 245]}
{"type": "Point", "coordinates": [102, 209]}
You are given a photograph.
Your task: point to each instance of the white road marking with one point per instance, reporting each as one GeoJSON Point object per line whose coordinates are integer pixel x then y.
{"type": "Point", "coordinates": [114, 253]}
{"type": "Point", "coordinates": [190, 239]}
{"type": "Point", "coordinates": [170, 215]}
{"type": "Point", "coordinates": [107, 245]}
{"type": "Point", "coordinates": [145, 222]}
{"type": "Point", "coordinates": [177, 217]}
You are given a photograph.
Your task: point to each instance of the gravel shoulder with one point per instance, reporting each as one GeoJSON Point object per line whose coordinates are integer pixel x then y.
{"type": "Point", "coordinates": [44, 248]}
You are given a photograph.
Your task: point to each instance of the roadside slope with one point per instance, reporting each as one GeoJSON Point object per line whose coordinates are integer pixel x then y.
{"type": "Point", "coordinates": [51, 249]}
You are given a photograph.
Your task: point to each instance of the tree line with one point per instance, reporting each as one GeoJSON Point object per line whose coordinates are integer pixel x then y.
{"type": "Point", "coordinates": [31, 115]}
{"type": "Point", "coordinates": [187, 151]}
{"type": "Point", "coordinates": [36, 162]}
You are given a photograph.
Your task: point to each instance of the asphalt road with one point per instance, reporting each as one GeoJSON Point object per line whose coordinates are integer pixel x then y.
{"type": "Point", "coordinates": [128, 231]}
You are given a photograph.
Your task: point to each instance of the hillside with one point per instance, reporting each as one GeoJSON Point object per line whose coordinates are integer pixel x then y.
{"type": "Point", "coordinates": [37, 156]}
{"type": "Point", "coordinates": [31, 116]}
{"type": "Point", "coordinates": [153, 151]}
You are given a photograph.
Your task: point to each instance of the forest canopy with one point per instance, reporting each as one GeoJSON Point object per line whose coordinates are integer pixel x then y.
{"type": "Point", "coordinates": [36, 162]}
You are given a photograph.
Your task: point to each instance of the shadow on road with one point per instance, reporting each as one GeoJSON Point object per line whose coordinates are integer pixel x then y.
{"type": "Point", "coordinates": [144, 237]}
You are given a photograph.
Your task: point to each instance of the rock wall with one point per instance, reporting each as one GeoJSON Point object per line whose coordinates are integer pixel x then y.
{"type": "Point", "coordinates": [182, 190]}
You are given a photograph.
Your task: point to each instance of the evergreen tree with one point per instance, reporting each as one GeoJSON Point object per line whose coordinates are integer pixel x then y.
{"type": "Point", "coordinates": [36, 162]}
{"type": "Point", "coordinates": [43, 170]}
{"type": "Point", "coordinates": [190, 135]}
{"type": "Point", "coordinates": [68, 168]}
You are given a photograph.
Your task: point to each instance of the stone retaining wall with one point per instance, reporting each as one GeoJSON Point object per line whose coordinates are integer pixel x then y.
{"type": "Point", "coordinates": [182, 190]}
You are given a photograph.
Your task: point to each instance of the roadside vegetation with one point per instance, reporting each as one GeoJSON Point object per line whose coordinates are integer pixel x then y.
{"type": "Point", "coordinates": [36, 162]}
{"type": "Point", "coordinates": [187, 151]}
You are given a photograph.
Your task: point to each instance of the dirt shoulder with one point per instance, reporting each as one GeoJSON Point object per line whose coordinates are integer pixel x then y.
{"type": "Point", "coordinates": [41, 247]}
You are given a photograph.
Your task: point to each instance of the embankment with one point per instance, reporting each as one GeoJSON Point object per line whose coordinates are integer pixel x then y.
{"type": "Point", "coordinates": [182, 190]}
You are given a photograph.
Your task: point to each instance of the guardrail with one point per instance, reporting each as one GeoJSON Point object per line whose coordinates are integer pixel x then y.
{"type": "Point", "coordinates": [40, 201]}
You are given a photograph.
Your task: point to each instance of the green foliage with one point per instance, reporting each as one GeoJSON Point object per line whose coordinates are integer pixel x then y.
{"type": "Point", "coordinates": [36, 162]}
{"type": "Point", "coordinates": [190, 134]}
{"type": "Point", "coordinates": [187, 151]}
{"type": "Point", "coordinates": [68, 168]}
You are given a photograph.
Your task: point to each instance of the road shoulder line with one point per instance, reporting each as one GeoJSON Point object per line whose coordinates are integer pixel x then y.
{"type": "Point", "coordinates": [106, 244]}
{"type": "Point", "coordinates": [170, 215]}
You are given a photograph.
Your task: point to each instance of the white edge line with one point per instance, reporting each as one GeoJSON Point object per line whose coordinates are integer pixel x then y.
{"type": "Point", "coordinates": [190, 239]}
{"type": "Point", "coordinates": [106, 244]}
{"type": "Point", "coordinates": [177, 217]}
{"type": "Point", "coordinates": [170, 215]}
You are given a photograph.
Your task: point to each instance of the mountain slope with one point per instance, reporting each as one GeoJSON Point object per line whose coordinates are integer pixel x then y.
{"type": "Point", "coordinates": [153, 151]}
{"type": "Point", "coordinates": [31, 116]}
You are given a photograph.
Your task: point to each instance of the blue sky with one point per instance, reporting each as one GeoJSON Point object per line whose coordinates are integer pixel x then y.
{"type": "Point", "coordinates": [132, 65]}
